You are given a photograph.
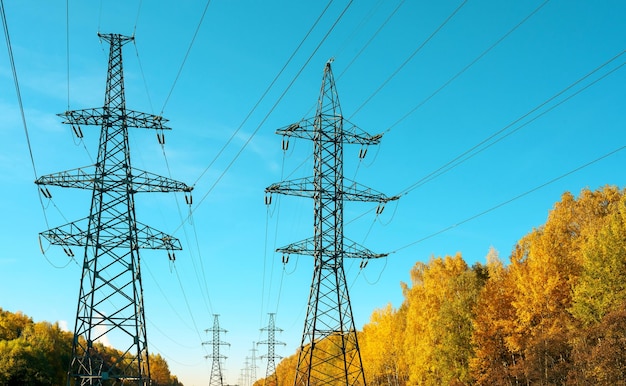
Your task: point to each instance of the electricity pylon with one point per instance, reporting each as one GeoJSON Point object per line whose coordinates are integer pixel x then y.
{"type": "Point", "coordinates": [271, 378]}
{"type": "Point", "coordinates": [329, 353]}
{"type": "Point", "coordinates": [253, 365]}
{"type": "Point", "coordinates": [110, 302]}
{"type": "Point", "coordinates": [216, 366]}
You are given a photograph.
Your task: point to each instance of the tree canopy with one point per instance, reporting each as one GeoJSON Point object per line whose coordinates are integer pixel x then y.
{"type": "Point", "coordinates": [39, 353]}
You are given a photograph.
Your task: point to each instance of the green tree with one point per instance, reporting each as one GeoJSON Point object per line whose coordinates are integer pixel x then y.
{"type": "Point", "coordinates": [39, 353]}
{"type": "Point", "coordinates": [602, 284]}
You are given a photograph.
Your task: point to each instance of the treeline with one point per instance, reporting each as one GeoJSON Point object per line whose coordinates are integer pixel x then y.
{"type": "Point", "coordinates": [554, 314]}
{"type": "Point", "coordinates": [39, 354]}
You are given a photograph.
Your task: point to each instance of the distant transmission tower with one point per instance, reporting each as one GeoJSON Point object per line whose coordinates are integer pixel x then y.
{"type": "Point", "coordinates": [110, 303]}
{"type": "Point", "coordinates": [329, 353]}
{"type": "Point", "coordinates": [245, 372]}
{"type": "Point", "coordinates": [271, 378]}
{"type": "Point", "coordinates": [216, 366]}
{"type": "Point", "coordinates": [253, 365]}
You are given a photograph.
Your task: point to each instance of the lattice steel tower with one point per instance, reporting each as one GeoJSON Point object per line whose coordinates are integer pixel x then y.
{"type": "Point", "coordinates": [253, 365]}
{"type": "Point", "coordinates": [329, 353]}
{"type": "Point", "coordinates": [271, 378]}
{"type": "Point", "coordinates": [110, 301]}
{"type": "Point", "coordinates": [216, 366]}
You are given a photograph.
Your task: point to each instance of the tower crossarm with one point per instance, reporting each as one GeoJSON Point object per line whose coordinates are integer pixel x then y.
{"type": "Point", "coordinates": [304, 187]}
{"type": "Point", "coordinates": [351, 249]}
{"type": "Point", "coordinates": [307, 129]}
{"type": "Point", "coordinates": [71, 234]}
{"type": "Point", "coordinates": [218, 342]}
{"type": "Point", "coordinates": [75, 234]}
{"type": "Point", "coordinates": [353, 191]}
{"type": "Point", "coordinates": [144, 181]}
{"type": "Point", "coordinates": [102, 115]}
{"type": "Point", "coordinates": [151, 238]}
{"type": "Point", "coordinates": [140, 181]}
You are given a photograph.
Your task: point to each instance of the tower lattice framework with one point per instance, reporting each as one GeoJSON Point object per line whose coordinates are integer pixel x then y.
{"type": "Point", "coordinates": [216, 378]}
{"type": "Point", "coordinates": [329, 353]}
{"type": "Point", "coordinates": [271, 378]}
{"type": "Point", "coordinates": [110, 301]}
{"type": "Point", "coordinates": [253, 366]}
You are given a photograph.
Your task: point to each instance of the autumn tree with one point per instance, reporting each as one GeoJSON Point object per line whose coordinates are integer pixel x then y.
{"type": "Point", "coordinates": [384, 362]}
{"type": "Point", "coordinates": [545, 267]}
{"type": "Point", "coordinates": [493, 324]}
{"type": "Point", "coordinates": [531, 302]}
{"type": "Point", "coordinates": [602, 284]}
{"type": "Point", "coordinates": [599, 352]}
{"type": "Point", "coordinates": [32, 353]}
{"type": "Point", "coordinates": [39, 353]}
{"type": "Point", "coordinates": [160, 372]}
{"type": "Point", "coordinates": [439, 317]}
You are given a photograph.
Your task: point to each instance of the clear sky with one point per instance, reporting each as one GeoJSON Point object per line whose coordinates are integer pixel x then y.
{"type": "Point", "coordinates": [437, 78]}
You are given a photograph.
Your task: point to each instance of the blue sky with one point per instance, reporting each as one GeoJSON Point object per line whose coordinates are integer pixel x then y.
{"type": "Point", "coordinates": [435, 89]}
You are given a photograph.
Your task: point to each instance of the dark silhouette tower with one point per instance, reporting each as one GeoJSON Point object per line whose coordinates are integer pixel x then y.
{"type": "Point", "coordinates": [271, 379]}
{"type": "Point", "coordinates": [216, 366]}
{"type": "Point", "coordinates": [329, 353]}
{"type": "Point", "coordinates": [110, 302]}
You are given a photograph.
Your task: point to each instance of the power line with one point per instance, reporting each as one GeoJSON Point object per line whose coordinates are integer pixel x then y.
{"type": "Point", "coordinates": [67, 47]}
{"type": "Point", "coordinates": [482, 54]}
{"type": "Point", "coordinates": [480, 214]}
{"type": "Point", "coordinates": [186, 55]}
{"type": "Point", "coordinates": [271, 110]}
{"type": "Point", "coordinates": [476, 148]}
{"type": "Point", "coordinates": [182, 290]}
{"type": "Point", "coordinates": [17, 86]}
{"type": "Point", "coordinates": [202, 283]}
{"type": "Point", "coordinates": [362, 23]}
{"type": "Point", "coordinates": [137, 18]}
{"type": "Point", "coordinates": [371, 39]}
{"type": "Point", "coordinates": [43, 191]}
{"type": "Point", "coordinates": [418, 49]}
{"type": "Point", "coordinates": [219, 153]}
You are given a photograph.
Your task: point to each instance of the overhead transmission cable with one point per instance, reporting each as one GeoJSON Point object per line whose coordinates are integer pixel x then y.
{"type": "Point", "coordinates": [17, 86]}
{"type": "Point", "coordinates": [450, 165]}
{"type": "Point", "coordinates": [283, 163]}
{"type": "Point", "coordinates": [67, 48]}
{"type": "Point", "coordinates": [137, 17]}
{"type": "Point", "coordinates": [193, 320]}
{"type": "Point", "coordinates": [167, 300]}
{"type": "Point", "coordinates": [468, 153]}
{"type": "Point", "coordinates": [497, 42]}
{"type": "Point", "coordinates": [418, 49]}
{"type": "Point", "coordinates": [25, 126]}
{"type": "Point", "coordinates": [479, 57]}
{"type": "Point", "coordinates": [430, 37]}
{"type": "Point", "coordinates": [358, 28]}
{"type": "Point", "coordinates": [76, 131]}
{"type": "Point", "coordinates": [143, 76]}
{"type": "Point", "coordinates": [371, 39]}
{"type": "Point", "coordinates": [476, 149]}
{"type": "Point", "coordinates": [491, 209]}
{"type": "Point", "coordinates": [202, 282]}
{"type": "Point", "coordinates": [271, 109]}
{"type": "Point", "coordinates": [186, 55]}
{"type": "Point", "coordinates": [219, 153]}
